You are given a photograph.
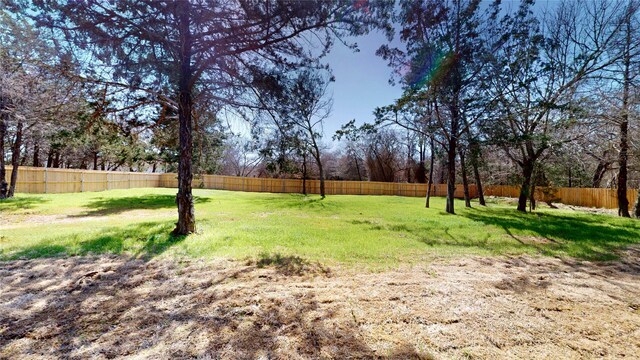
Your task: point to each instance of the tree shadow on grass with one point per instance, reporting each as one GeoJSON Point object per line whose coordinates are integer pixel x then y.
{"type": "Point", "coordinates": [142, 240]}
{"type": "Point", "coordinates": [110, 206]}
{"type": "Point", "coordinates": [289, 264]}
{"type": "Point", "coordinates": [20, 203]}
{"type": "Point", "coordinates": [296, 201]}
{"type": "Point", "coordinates": [585, 237]}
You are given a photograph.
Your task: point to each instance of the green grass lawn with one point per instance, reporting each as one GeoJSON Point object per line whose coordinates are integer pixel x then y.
{"type": "Point", "coordinates": [353, 230]}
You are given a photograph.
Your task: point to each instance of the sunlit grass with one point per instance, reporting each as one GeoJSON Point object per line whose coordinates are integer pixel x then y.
{"type": "Point", "coordinates": [352, 230]}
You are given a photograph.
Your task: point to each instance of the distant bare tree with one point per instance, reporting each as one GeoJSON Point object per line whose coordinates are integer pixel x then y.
{"type": "Point", "coordinates": [537, 74]}
{"type": "Point", "coordinates": [240, 158]}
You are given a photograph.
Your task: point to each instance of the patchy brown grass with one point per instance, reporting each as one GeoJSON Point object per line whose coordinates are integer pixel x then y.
{"type": "Point", "coordinates": [286, 308]}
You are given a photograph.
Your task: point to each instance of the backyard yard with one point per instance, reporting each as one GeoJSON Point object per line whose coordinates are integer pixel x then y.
{"type": "Point", "coordinates": [288, 276]}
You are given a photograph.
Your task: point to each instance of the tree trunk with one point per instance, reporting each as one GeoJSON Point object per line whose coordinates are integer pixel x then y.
{"type": "Point", "coordinates": [95, 160]}
{"type": "Point", "coordinates": [532, 198]}
{"type": "Point", "coordinates": [36, 154]}
{"type": "Point", "coordinates": [476, 175]}
{"type": "Point", "coordinates": [355, 157]}
{"type": "Point", "coordinates": [56, 159]}
{"type": "Point", "coordinates": [15, 160]}
{"type": "Point", "coordinates": [474, 148]}
{"type": "Point", "coordinates": [442, 171]}
{"type": "Point", "coordinates": [49, 158]}
{"type": "Point", "coordinates": [304, 174]}
{"type": "Point", "coordinates": [184, 199]}
{"type": "Point", "coordinates": [409, 157]}
{"type": "Point", "coordinates": [623, 202]}
{"type": "Point", "coordinates": [321, 170]}
{"type": "Point", "coordinates": [601, 169]}
{"type": "Point", "coordinates": [532, 194]}
{"type": "Point", "coordinates": [451, 176]}
{"type": "Point", "coordinates": [527, 171]}
{"type": "Point", "coordinates": [3, 173]}
{"type": "Point", "coordinates": [430, 182]}
{"type": "Point", "coordinates": [317, 156]}
{"type": "Point", "coordinates": [451, 153]}
{"type": "Point", "coordinates": [636, 208]}
{"type": "Point", "coordinates": [465, 182]}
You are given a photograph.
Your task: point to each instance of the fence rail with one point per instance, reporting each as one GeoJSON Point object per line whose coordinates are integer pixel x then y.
{"type": "Point", "coordinates": [588, 197]}
{"type": "Point", "coordinates": [51, 180]}
{"type": "Point", "coordinates": [332, 187]}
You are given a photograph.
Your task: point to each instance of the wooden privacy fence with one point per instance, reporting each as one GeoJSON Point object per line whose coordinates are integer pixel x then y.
{"type": "Point", "coordinates": [332, 187]}
{"type": "Point", "coordinates": [588, 197]}
{"type": "Point", "coordinates": [41, 180]}
{"type": "Point", "coordinates": [51, 180]}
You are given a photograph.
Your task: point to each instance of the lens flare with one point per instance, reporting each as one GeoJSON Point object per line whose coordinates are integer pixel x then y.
{"type": "Point", "coordinates": [425, 68]}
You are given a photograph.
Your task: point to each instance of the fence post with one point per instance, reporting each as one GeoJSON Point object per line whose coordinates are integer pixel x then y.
{"type": "Point", "coordinates": [108, 185]}
{"type": "Point", "coordinates": [81, 181]}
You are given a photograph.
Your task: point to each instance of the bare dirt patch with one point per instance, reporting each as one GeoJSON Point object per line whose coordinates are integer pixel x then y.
{"type": "Point", "coordinates": [523, 307]}
{"type": "Point", "coordinates": [12, 221]}
{"type": "Point", "coordinates": [598, 211]}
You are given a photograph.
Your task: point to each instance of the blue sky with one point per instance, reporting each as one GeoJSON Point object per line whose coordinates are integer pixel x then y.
{"type": "Point", "coordinates": [362, 78]}
{"type": "Point", "coordinates": [361, 83]}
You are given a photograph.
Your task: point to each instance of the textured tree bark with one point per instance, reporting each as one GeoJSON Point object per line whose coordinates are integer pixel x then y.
{"type": "Point", "coordinates": [636, 208]}
{"type": "Point", "coordinates": [532, 194]}
{"type": "Point", "coordinates": [451, 176]}
{"type": "Point", "coordinates": [304, 173]}
{"type": "Point", "coordinates": [3, 174]}
{"type": "Point", "coordinates": [322, 188]}
{"type": "Point", "coordinates": [601, 169]}
{"type": "Point", "coordinates": [49, 158]}
{"type": "Point", "coordinates": [474, 148]}
{"type": "Point", "coordinates": [184, 199]}
{"type": "Point", "coordinates": [476, 175]}
{"type": "Point", "coordinates": [318, 157]}
{"type": "Point", "coordinates": [15, 160]}
{"type": "Point", "coordinates": [451, 158]}
{"type": "Point", "coordinates": [527, 171]}
{"type": "Point", "coordinates": [409, 158]}
{"type": "Point", "coordinates": [56, 159]}
{"type": "Point", "coordinates": [623, 202]}
{"type": "Point", "coordinates": [430, 182]}
{"type": "Point", "coordinates": [36, 154]}
{"type": "Point", "coordinates": [465, 182]}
